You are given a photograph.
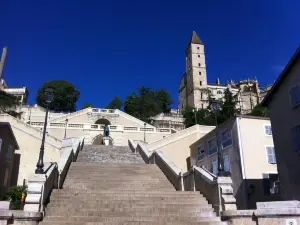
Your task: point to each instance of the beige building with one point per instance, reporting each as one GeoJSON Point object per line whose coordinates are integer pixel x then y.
{"type": "Point", "coordinates": [195, 91]}
{"type": "Point", "coordinates": [8, 161]}
{"type": "Point", "coordinates": [247, 147]}
{"type": "Point", "coordinates": [283, 101]}
{"type": "Point", "coordinates": [173, 120]}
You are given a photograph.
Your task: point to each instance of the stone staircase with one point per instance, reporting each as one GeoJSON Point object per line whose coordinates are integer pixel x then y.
{"type": "Point", "coordinates": [112, 186]}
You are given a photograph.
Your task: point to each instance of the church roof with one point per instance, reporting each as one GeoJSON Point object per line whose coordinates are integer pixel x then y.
{"type": "Point", "coordinates": [195, 39]}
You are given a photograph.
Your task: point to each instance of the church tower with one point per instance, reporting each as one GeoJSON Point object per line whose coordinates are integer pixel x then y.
{"type": "Point", "coordinates": [194, 79]}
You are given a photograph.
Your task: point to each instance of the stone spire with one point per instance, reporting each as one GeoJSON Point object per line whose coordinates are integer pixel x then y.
{"type": "Point", "coordinates": [2, 61]}
{"type": "Point", "coordinates": [195, 39]}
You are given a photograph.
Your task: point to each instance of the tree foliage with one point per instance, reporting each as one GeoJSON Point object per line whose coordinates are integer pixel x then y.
{"type": "Point", "coordinates": [147, 103]}
{"type": "Point", "coordinates": [65, 95]}
{"type": "Point", "coordinates": [259, 110]}
{"type": "Point", "coordinates": [200, 116]}
{"type": "Point", "coordinates": [116, 103]}
{"type": "Point", "coordinates": [87, 105]}
{"type": "Point", "coordinates": [8, 104]}
{"type": "Point", "coordinates": [7, 101]}
{"type": "Point", "coordinates": [207, 117]}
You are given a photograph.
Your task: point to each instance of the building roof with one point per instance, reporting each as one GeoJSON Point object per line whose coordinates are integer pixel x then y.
{"type": "Point", "coordinates": [195, 39]}
{"type": "Point", "coordinates": [281, 78]}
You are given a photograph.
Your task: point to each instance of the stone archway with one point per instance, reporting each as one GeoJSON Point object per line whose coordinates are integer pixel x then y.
{"type": "Point", "coordinates": [98, 140]}
{"type": "Point", "coordinates": [103, 121]}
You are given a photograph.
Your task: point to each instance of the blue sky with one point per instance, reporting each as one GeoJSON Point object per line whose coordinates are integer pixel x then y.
{"type": "Point", "coordinates": [109, 48]}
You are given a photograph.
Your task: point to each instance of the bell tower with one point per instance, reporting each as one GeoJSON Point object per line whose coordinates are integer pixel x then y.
{"type": "Point", "coordinates": [196, 78]}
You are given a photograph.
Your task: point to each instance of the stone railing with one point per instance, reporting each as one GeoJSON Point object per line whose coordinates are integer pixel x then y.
{"type": "Point", "coordinates": [37, 133]}
{"type": "Point", "coordinates": [178, 135]}
{"type": "Point", "coordinates": [64, 117]}
{"type": "Point", "coordinates": [217, 190]}
{"type": "Point", "coordinates": [40, 186]}
{"type": "Point", "coordinates": [112, 128]}
{"type": "Point", "coordinates": [172, 172]}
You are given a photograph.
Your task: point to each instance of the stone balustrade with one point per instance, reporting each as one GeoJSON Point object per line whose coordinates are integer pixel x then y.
{"type": "Point", "coordinates": [40, 186]}
{"type": "Point", "coordinates": [172, 172]}
{"type": "Point", "coordinates": [100, 127]}
{"type": "Point", "coordinates": [217, 190]}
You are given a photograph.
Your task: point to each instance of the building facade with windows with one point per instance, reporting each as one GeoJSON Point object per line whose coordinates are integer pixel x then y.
{"type": "Point", "coordinates": [248, 155]}
{"type": "Point", "coordinates": [195, 91]}
{"type": "Point", "coordinates": [283, 102]}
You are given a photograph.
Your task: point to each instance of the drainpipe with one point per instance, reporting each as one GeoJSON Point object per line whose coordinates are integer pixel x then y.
{"type": "Point", "coordinates": [242, 161]}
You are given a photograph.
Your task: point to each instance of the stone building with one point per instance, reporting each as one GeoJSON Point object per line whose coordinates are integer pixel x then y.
{"type": "Point", "coordinates": [20, 92]}
{"type": "Point", "coordinates": [283, 102]}
{"type": "Point", "coordinates": [173, 120]}
{"type": "Point", "coordinates": [195, 91]}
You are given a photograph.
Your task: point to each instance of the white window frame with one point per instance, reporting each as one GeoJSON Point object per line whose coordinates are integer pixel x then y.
{"type": "Point", "coordinates": [228, 129]}
{"type": "Point", "coordinates": [209, 148]}
{"type": "Point", "coordinates": [224, 156]}
{"type": "Point", "coordinates": [200, 153]}
{"type": "Point", "coordinates": [267, 154]}
{"type": "Point", "coordinates": [265, 125]}
{"type": "Point", "coordinates": [214, 168]}
{"type": "Point", "coordinates": [297, 104]}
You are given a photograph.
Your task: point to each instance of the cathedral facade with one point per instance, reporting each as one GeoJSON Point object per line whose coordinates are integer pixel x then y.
{"type": "Point", "coordinates": [195, 91]}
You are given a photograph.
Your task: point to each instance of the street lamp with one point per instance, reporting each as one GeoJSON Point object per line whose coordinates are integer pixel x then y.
{"type": "Point", "coordinates": [66, 127]}
{"type": "Point", "coordinates": [48, 97]}
{"type": "Point", "coordinates": [215, 108]}
{"type": "Point", "coordinates": [195, 112]}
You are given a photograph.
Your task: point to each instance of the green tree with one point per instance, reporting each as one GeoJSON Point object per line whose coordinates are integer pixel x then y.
{"type": "Point", "coordinates": [8, 104]}
{"type": "Point", "coordinates": [147, 103]}
{"type": "Point", "coordinates": [87, 105]}
{"type": "Point", "coordinates": [163, 100]}
{"type": "Point", "coordinates": [116, 103]}
{"type": "Point", "coordinates": [259, 110]}
{"type": "Point", "coordinates": [65, 95]}
{"type": "Point", "coordinates": [228, 108]}
{"type": "Point", "coordinates": [200, 116]}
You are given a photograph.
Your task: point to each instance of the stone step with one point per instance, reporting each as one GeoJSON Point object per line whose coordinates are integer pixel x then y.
{"type": "Point", "coordinates": [80, 213]}
{"type": "Point", "coordinates": [124, 202]}
{"type": "Point", "coordinates": [135, 208]}
{"type": "Point", "coordinates": [133, 223]}
{"type": "Point", "coordinates": [129, 218]}
{"type": "Point", "coordinates": [109, 194]}
{"type": "Point", "coordinates": [112, 205]}
{"type": "Point", "coordinates": [130, 192]}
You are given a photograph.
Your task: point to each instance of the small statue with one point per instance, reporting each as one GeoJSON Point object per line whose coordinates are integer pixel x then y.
{"type": "Point", "coordinates": [106, 131]}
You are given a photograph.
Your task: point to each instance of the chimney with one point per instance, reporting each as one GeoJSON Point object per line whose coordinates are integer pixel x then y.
{"type": "Point", "coordinates": [218, 81]}
{"type": "Point", "coordinates": [2, 62]}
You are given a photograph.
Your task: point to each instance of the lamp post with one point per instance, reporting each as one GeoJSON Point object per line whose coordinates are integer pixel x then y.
{"type": "Point", "coordinates": [145, 132]}
{"type": "Point", "coordinates": [66, 127]}
{"type": "Point", "coordinates": [195, 112]}
{"type": "Point", "coordinates": [48, 96]}
{"type": "Point", "coordinates": [215, 107]}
